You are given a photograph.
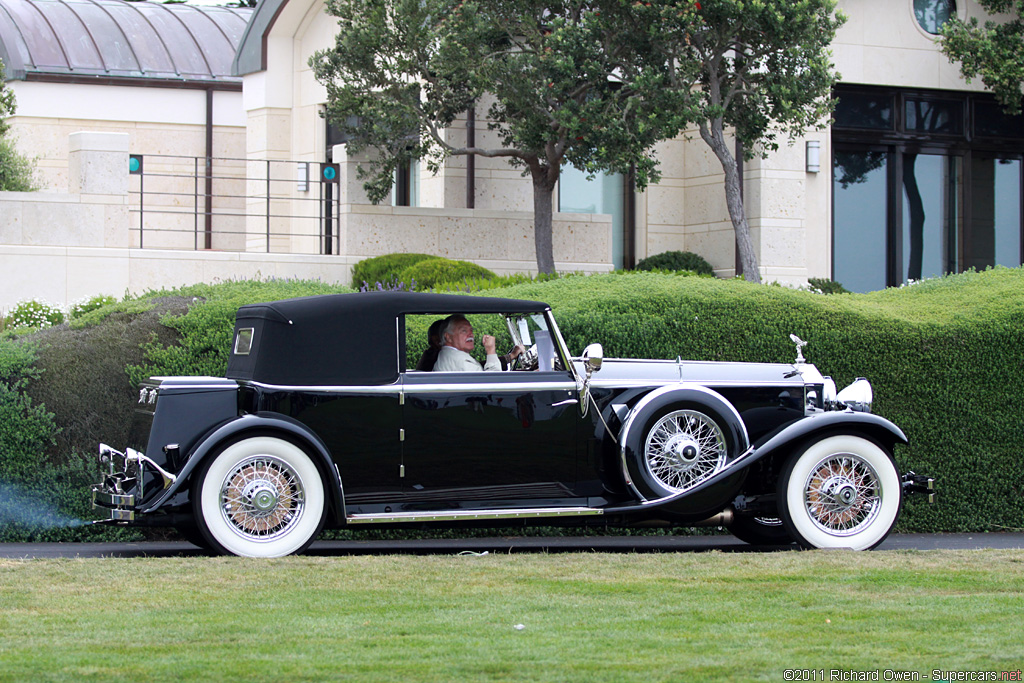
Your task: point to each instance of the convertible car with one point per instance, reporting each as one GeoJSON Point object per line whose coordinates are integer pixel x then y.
{"type": "Point", "coordinates": [320, 422]}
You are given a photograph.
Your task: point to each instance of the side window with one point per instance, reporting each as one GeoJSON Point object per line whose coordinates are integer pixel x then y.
{"type": "Point", "coordinates": [420, 355]}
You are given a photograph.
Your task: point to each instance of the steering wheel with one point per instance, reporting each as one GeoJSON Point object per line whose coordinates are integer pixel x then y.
{"type": "Point", "coordinates": [527, 360]}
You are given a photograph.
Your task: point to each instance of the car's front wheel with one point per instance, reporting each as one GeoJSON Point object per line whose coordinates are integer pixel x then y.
{"type": "Point", "coordinates": [840, 492]}
{"type": "Point", "coordinates": [260, 497]}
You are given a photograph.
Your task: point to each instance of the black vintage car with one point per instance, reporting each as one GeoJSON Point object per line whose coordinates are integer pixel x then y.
{"type": "Point", "coordinates": [320, 422]}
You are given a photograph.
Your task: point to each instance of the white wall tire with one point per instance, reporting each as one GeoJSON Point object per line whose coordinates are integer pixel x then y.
{"type": "Point", "coordinates": [840, 492]}
{"type": "Point", "coordinates": [260, 497]}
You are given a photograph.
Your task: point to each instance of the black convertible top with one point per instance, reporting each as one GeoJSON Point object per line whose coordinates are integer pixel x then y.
{"type": "Point", "coordinates": [342, 339]}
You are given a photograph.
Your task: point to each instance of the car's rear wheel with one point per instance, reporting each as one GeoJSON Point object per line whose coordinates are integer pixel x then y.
{"type": "Point", "coordinates": [760, 530]}
{"type": "Point", "coordinates": [260, 497]}
{"type": "Point", "coordinates": [840, 492]}
{"type": "Point", "coordinates": [682, 447]}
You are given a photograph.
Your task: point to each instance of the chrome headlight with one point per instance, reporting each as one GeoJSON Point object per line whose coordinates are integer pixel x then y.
{"type": "Point", "coordinates": [858, 396]}
{"type": "Point", "coordinates": [829, 396]}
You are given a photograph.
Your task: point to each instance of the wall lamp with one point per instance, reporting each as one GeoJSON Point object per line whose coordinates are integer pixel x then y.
{"type": "Point", "coordinates": [813, 156]}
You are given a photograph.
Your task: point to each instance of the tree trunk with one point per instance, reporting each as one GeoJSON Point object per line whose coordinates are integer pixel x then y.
{"type": "Point", "coordinates": [715, 138]}
{"type": "Point", "coordinates": [543, 191]}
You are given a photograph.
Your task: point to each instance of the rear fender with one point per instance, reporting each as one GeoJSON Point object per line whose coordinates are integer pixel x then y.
{"type": "Point", "coordinates": [263, 423]}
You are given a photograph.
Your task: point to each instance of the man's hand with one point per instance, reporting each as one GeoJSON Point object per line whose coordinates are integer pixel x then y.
{"type": "Point", "coordinates": [516, 351]}
{"type": "Point", "coordinates": [489, 344]}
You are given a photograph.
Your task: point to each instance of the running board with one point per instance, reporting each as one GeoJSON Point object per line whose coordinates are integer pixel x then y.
{"type": "Point", "coordinates": [466, 515]}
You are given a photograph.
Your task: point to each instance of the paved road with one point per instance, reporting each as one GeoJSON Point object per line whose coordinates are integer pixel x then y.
{"type": "Point", "coordinates": [613, 544]}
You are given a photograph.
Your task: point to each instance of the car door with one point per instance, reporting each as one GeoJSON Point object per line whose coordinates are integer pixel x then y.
{"type": "Point", "coordinates": [476, 439]}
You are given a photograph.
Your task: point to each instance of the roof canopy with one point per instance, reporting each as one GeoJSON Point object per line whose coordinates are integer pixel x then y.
{"type": "Point", "coordinates": [113, 40]}
{"type": "Point", "coordinates": [342, 339]}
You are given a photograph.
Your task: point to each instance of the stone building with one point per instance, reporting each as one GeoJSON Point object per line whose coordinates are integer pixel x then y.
{"type": "Point", "coordinates": [919, 175]}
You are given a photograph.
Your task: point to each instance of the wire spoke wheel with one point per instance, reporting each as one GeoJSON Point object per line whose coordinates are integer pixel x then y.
{"type": "Point", "coordinates": [260, 497]}
{"type": "Point", "coordinates": [842, 494]}
{"type": "Point", "coordinates": [684, 448]}
{"type": "Point", "coordinates": [842, 491]}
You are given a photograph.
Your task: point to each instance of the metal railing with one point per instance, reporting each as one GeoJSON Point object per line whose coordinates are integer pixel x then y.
{"type": "Point", "coordinates": [229, 204]}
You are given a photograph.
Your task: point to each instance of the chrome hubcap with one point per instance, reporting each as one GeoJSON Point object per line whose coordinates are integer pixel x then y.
{"type": "Point", "coordinates": [684, 448]}
{"type": "Point", "coordinates": [262, 497]}
{"type": "Point", "coordinates": [842, 494]}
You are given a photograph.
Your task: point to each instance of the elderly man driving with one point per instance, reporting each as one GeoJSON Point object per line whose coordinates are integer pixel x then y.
{"type": "Point", "coordinates": [458, 341]}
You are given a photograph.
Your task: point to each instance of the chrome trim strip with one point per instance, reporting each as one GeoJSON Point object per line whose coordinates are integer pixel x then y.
{"type": "Point", "coordinates": [415, 387]}
{"type": "Point", "coordinates": [457, 515]}
{"type": "Point", "coordinates": [329, 389]}
{"type": "Point", "coordinates": [443, 388]}
{"type": "Point", "coordinates": [653, 383]}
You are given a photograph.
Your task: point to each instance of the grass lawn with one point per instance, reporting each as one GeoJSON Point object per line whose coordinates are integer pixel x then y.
{"type": "Point", "coordinates": [525, 617]}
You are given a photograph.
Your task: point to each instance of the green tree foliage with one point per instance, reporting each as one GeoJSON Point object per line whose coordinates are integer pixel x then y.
{"type": "Point", "coordinates": [993, 52]}
{"type": "Point", "coordinates": [15, 168]}
{"type": "Point", "coordinates": [761, 68]}
{"type": "Point", "coordinates": [565, 82]}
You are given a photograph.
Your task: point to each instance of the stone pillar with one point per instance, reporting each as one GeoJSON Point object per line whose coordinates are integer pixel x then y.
{"type": "Point", "coordinates": [349, 184]}
{"type": "Point", "coordinates": [98, 163]}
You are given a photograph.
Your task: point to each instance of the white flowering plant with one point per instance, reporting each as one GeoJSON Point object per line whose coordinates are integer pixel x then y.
{"type": "Point", "coordinates": [34, 314]}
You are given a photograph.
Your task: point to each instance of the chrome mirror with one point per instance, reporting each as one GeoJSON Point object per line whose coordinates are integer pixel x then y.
{"type": "Point", "coordinates": [593, 356]}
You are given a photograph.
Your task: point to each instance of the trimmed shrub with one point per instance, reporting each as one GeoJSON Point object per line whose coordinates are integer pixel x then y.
{"type": "Point", "coordinates": [80, 308]}
{"type": "Point", "coordinates": [820, 285]}
{"type": "Point", "coordinates": [440, 271]}
{"type": "Point", "coordinates": [943, 356]}
{"type": "Point", "coordinates": [38, 500]}
{"type": "Point", "coordinates": [386, 269]}
{"type": "Point", "coordinates": [676, 260]}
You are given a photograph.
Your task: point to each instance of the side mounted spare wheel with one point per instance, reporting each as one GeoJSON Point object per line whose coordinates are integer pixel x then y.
{"type": "Point", "coordinates": [840, 492]}
{"type": "Point", "coordinates": [260, 497]}
{"type": "Point", "coordinates": [682, 446]}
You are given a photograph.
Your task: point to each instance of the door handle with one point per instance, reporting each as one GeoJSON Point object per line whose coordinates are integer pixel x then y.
{"type": "Point", "coordinates": [567, 402]}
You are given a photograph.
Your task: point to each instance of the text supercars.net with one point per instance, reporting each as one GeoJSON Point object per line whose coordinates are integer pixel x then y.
{"type": "Point", "coordinates": [935, 675]}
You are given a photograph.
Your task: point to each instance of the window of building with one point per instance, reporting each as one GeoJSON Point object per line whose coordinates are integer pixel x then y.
{"type": "Point", "coordinates": [937, 191]}
{"type": "Point", "coordinates": [406, 189]}
{"type": "Point", "coordinates": [932, 14]}
{"type": "Point", "coordinates": [604, 193]}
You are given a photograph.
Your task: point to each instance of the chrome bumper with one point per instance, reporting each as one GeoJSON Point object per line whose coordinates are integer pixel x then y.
{"type": "Point", "coordinates": [919, 483]}
{"type": "Point", "coordinates": [121, 488]}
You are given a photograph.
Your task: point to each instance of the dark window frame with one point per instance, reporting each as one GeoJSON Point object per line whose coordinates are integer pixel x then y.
{"type": "Point", "coordinates": [897, 142]}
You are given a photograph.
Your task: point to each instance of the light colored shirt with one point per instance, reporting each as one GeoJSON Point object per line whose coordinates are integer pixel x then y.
{"type": "Point", "coordinates": [451, 359]}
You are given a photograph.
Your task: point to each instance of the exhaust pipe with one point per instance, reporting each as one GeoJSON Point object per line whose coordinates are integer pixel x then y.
{"type": "Point", "coordinates": [723, 518]}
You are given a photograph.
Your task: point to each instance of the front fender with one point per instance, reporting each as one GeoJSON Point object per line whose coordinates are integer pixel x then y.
{"type": "Point", "coordinates": [783, 441]}
{"type": "Point", "coordinates": [263, 423]}
{"type": "Point", "coordinates": [846, 421]}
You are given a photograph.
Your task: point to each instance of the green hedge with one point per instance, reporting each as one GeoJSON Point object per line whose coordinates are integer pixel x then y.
{"type": "Point", "coordinates": [439, 271]}
{"type": "Point", "coordinates": [944, 357]}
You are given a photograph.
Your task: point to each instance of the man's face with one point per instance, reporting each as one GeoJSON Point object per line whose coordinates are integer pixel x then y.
{"type": "Point", "coordinates": [462, 337]}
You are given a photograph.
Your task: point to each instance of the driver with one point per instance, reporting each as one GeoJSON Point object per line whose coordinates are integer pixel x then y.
{"type": "Point", "coordinates": [457, 339]}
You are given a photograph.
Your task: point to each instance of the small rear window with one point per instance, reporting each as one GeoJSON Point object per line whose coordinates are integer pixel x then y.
{"type": "Point", "coordinates": [243, 341]}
